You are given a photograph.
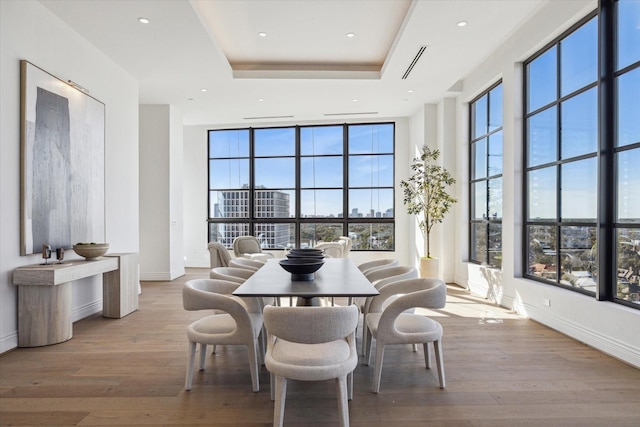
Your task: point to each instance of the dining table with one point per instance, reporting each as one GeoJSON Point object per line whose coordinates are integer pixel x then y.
{"type": "Point", "coordinates": [338, 277]}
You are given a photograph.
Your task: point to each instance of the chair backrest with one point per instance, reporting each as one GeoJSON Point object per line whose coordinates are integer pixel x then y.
{"type": "Point", "coordinates": [381, 277]}
{"type": "Point", "coordinates": [208, 294]}
{"type": "Point", "coordinates": [311, 325]}
{"type": "Point", "coordinates": [219, 255]}
{"type": "Point", "coordinates": [347, 242]}
{"type": "Point", "coordinates": [246, 245]}
{"type": "Point", "coordinates": [246, 263]}
{"type": "Point", "coordinates": [331, 249]}
{"type": "Point", "coordinates": [369, 266]}
{"type": "Point", "coordinates": [231, 274]}
{"type": "Point", "coordinates": [410, 293]}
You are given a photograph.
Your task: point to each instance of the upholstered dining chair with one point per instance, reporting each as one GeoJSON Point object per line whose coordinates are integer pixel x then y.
{"type": "Point", "coordinates": [331, 249]}
{"type": "Point", "coordinates": [218, 255]}
{"type": "Point", "coordinates": [392, 325]}
{"type": "Point", "coordinates": [380, 278]}
{"type": "Point", "coordinates": [239, 323]}
{"type": "Point", "coordinates": [239, 276]}
{"type": "Point", "coordinates": [249, 247]}
{"type": "Point", "coordinates": [249, 264]}
{"type": "Point", "coordinates": [231, 274]}
{"type": "Point", "coordinates": [311, 344]}
{"type": "Point", "coordinates": [348, 243]}
{"type": "Point", "coordinates": [369, 266]}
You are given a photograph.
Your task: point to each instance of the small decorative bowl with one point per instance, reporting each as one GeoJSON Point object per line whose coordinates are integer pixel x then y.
{"type": "Point", "coordinates": [91, 251]}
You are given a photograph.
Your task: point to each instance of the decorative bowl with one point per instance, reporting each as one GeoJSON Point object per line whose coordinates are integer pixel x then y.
{"type": "Point", "coordinates": [305, 253]}
{"type": "Point", "coordinates": [301, 268]}
{"type": "Point", "coordinates": [91, 250]}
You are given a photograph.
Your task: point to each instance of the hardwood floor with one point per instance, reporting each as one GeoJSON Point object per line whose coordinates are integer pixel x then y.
{"type": "Point", "coordinates": [501, 370]}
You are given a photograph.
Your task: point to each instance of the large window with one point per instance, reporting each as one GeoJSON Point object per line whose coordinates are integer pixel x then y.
{"type": "Point", "coordinates": [582, 153]}
{"type": "Point", "coordinates": [486, 178]}
{"type": "Point", "coordinates": [296, 186]}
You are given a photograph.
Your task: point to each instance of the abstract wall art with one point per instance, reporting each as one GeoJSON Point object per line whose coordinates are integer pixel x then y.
{"type": "Point", "coordinates": [62, 171]}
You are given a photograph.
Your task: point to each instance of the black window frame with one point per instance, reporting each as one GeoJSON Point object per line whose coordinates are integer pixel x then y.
{"type": "Point", "coordinates": [297, 220]}
{"type": "Point", "coordinates": [606, 155]}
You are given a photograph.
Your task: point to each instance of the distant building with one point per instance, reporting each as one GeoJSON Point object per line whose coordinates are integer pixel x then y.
{"type": "Point", "coordinates": [267, 204]}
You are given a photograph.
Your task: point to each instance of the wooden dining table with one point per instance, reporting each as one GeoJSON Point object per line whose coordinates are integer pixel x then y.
{"type": "Point", "coordinates": [338, 277]}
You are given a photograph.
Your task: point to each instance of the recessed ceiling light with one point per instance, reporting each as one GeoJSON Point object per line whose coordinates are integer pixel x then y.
{"type": "Point", "coordinates": [410, 91]}
{"type": "Point", "coordinates": [462, 23]}
{"type": "Point", "coordinates": [354, 100]}
{"type": "Point", "coordinates": [203, 90]}
{"type": "Point", "coordinates": [260, 99]}
{"type": "Point", "coordinates": [262, 34]}
{"type": "Point", "coordinates": [143, 20]}
{"type": "Point", "coordinates": [351, 35]}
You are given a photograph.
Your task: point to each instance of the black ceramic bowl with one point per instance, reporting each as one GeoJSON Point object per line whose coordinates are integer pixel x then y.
{"type": "Point", "coordinates": [301, 268]}
{"type": "Point", "coordinates": [305, 255]}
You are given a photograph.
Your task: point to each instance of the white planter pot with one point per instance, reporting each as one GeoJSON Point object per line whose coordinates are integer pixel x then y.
{"type": "Point", "coordinates": [429, 267]}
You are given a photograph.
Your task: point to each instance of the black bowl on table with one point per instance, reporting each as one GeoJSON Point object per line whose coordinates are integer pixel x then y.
{"type": "Point", "coordinates": [305, 253]}
{"type": "Point", "coordinates": [301, 268]}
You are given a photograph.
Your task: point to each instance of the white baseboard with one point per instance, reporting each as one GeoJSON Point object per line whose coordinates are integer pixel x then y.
{"type": "Point", "coordinates": [86, 310]}
{"type": "Point", "coordinates": [8, 342]}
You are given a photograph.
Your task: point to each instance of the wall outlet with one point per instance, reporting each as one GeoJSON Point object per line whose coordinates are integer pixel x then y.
{"type": "Point", "coordinates": [546, 302]}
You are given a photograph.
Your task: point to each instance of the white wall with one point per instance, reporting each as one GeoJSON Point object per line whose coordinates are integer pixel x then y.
{"type": "Point", "coordinates": [29, 31]}
{"type": "Point", "coordinates": [195, 188]}
{"type": "Point", "coordinates": [608, 326]}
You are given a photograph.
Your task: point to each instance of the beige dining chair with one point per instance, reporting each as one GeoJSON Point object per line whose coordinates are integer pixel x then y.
{"type": "Point", "coordinates": [331, 249]}
{"type": "Point", "coordinates": [218, 255]}
{"type": "Point", "coordinates": [231, 274]}
{"type": "Point", "coordinates": [311, 344]}
{"type": "Point", "coordinates": [239, 323]}
{"type": "Point", "coordinates": [249, 264]}
{"type": "Point", "coordinates": [369, 266]}
{"type": "Point", "coordinates": [380, 278]}
{"type": "Point", "coordinates": [348, 243]}
{"type": "Point", "coordinates": [249, 247]}
{"type": "Point", "coordinates": [392, 325]}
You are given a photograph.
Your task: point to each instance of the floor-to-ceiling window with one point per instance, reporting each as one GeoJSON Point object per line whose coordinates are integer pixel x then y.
{"type": "Point", "coordinates": [298, 185]}
{"type": "Point", "coordinates": [485, 230]}
{"type": "Point", "coordinates": [582, 134]}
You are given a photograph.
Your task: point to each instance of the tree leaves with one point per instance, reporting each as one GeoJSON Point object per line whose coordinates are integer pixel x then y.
{"type": "Point", "coordinates": [425, 192]}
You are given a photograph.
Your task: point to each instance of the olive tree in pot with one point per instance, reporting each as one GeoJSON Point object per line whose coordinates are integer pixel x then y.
{"type": "Point", "coordinates": [425, 195]}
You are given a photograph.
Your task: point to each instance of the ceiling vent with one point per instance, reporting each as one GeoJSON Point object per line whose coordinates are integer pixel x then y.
{"type": "Point", "coordinates": [414, 62]}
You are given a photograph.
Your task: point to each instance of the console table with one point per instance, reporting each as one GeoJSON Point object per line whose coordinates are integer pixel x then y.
{"type": "Point", "coordinates": [45, 293]}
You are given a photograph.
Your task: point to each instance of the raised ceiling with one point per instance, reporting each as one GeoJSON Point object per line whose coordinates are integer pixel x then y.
{"type": "Point", "coordinates": [306, 68]}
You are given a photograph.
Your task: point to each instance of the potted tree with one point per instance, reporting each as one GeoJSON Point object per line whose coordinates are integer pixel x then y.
{"type": "Point", "coordinates": [425, 195]}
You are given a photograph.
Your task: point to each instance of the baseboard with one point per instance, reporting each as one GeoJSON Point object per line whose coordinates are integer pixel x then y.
{"type": "Point", "coordinates": [8, 342]}
{"type": "Point", "coordinates": [155, 277]}
{"type": "Point", "coordinates": [86, 310]}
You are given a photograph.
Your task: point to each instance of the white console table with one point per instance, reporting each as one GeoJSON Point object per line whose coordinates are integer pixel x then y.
{"type": "Point", "coordinates": [44, 295]}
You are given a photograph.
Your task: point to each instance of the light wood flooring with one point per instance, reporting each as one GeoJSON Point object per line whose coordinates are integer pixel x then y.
{"type": "Point", "coordinates": [501, 370]}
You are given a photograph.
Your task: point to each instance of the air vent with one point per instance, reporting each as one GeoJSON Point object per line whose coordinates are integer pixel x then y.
{"type": "Point", "coordinates": [351, 114]}
{"type": "Point", "coordinates": [267, 117]}
{"type": "Point", "coordinates": [414, 62]}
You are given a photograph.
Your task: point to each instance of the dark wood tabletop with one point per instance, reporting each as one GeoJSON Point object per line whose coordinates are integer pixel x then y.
{"type": "Point", "coordinates": [338, 277]}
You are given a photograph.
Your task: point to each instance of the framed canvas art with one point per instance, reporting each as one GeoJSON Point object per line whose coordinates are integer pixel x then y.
{"type": "Point", "coordinates": [62, 171]}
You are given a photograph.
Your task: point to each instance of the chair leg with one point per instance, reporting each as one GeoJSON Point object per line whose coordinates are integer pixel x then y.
{"type": "Point", "coordinates": [203, 355]}
{"type": "Point", "coordinates": [252, 351]}
{"type": "Point", "coordinates": [350, 385]}
{"type": "Point", "coordinates": [343, 404]}
{"type": "Point", "coordinates": [427, 355]}
{"type": "Point", "coordinates": [278, 406]}
{"type": "Point", "coordinates": [377, 372]}
{"type": "Point", "coordinates": [213, 351]}
{"type": "Point", "coordinates": [437, 345]}
{"type": "Point", "coordinates": [415, 347]}
{"type": "Point", "coordinates": [190, 362]}
{"type": "Point", "coordinates": [365, 330]}
{"type": "Point", "coordinates": [272, 386]}
{"type": "Point", "coordinates": [367, 353]}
